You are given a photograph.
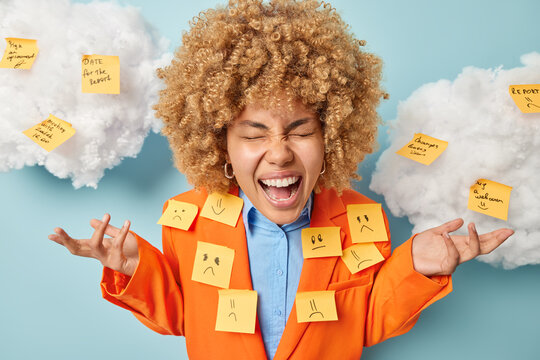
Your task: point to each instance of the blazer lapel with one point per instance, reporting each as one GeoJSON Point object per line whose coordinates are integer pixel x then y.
{"type": "Point", "coordinates": [316, 273]}
{"type": "Point", "coordinates": [235, 238]}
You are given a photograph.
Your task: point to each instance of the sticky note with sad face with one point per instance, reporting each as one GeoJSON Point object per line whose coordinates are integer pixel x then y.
{"type": "Point", "coordinates": [178, 214]}
{"type": "Point", "coordinates": [366, 223]}
{"type": "Point", "coordinates": [213, 264]}
{"type": "Point", "coordinates": [237, 311]}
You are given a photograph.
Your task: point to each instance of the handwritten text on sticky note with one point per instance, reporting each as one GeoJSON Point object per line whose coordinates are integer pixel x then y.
{"type": "Point", "coordinates": [179, 214]}
{"type": "Point", "coordinates": [526, 97]}
{"type": "Point", "coordinates": [316, 306]}
{"type": "Point", "coordinates": [361, 256]}
{"type": "Point", "coordinates": [224, 208]}
{"type": "Point", "coordinates": [213, 264]}
{"type": "Point", "coordinates": [237, 310]}
{"type": "Point", "coordinates": [424, 149]}
{"type": "Point", "coordinates": [100, 74]}
{"type": "Point", "coordinates": [321, 242]}
{"type": "Point", "coordinates": [50, 133]}
{"type": "Point", "coordinates": [490, 198]}
{"type": "Point", "coordinates": [19, 54]}
{"type": "Point", "coordinates": [366, 223]}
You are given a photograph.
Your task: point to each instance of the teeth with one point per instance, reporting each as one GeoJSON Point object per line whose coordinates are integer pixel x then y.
{"type": "Point", "coordinates": [280, 182]}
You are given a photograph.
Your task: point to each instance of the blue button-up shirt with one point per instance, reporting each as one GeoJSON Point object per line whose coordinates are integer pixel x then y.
{"type": "Point", "coordinates": [275, 260]}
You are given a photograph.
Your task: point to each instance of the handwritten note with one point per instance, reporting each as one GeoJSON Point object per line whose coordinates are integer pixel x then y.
{"type": "Point", "coordinates": [179, 214]}
{"type": "Point", "coordinates": [366, 223]}
{"type": "Point", "coordinates": [50, 133]}
{"type": "Point", "coordinates": [100, 74]}
{"type": "Point", "coordinates": [19, 54]}
{"type": "Point", "coordinates": [361, 256]}
{"type": "Point", "coordinates": [213, 264]}
{"type": "Point", "coordinates": [424, 149]}
{"type": "Point", "coordinates": [321, 242]}
{"type": "Point", "coordinates": [490, 198]}
{"type": "Point", "coordinates": [526, 97]}
{"type": "Point", "coordinates": [237, 310]}
{"type": "Point", "coordinates": [314, 306]}
{"type": "Point", "coordinates": [224, 208]}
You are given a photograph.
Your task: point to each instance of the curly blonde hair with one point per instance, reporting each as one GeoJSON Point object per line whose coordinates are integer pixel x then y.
{"type": "Point", "coordinates": [250, 50]}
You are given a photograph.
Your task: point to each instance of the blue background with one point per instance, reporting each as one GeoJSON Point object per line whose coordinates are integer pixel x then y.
{"type": "Point", "coordinates": [50, 301]}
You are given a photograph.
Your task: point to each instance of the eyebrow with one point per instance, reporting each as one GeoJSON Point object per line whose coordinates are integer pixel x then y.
{"type": "Point", "coordinates": [288, 128]}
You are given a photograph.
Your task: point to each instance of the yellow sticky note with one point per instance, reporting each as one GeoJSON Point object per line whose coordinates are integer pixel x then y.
{"type": "Point", "coordinates": [19, 54]}
{"type": "Point", "coordinates": [526, 97]}
{"type": "Point", "coordinates": [100, 74]}
{"type": "Point", "coordinates": [179, 215]}
{"type": "Point", "coordinates": [360, 256]}
{"type": "Point", "coordinates": [490, 198]}
{"type": "Point", "coordinates": [366, 223]}
{"type": "Point", "coordinates": [237, 310]}
{"type": "Point", "coordinates": [213, 264]}
{"type": "Point", "coordinates": [424, 149]}
{"type": "Point", "coordinates": [321, 242]}
{"type": "Point", "coordinates": [224, 208]}
{"type": "Point", "coordinates": [50, 133]}
{"type": "Point", "coordinates": [316, 306]}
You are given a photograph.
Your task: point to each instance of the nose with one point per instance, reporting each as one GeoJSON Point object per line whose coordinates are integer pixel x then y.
{"type": "Point", "coordinates": [279, 152]}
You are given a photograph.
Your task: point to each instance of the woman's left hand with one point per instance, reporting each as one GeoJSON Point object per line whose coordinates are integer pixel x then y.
{"type": "Point", "coordinates": [435, 252]}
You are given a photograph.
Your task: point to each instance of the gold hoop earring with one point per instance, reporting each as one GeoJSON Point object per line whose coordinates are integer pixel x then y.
{"type": "Point", "coordinates": [323, 167]}
{"type": "Point", "coordinates": [226, 172]}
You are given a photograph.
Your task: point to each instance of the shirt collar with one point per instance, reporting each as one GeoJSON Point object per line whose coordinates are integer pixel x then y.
{"type": "Point", "coordinates": [252, 216]}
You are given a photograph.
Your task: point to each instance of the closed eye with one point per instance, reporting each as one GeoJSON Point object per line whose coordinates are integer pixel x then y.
{"type": "Point", "coordinates": [252, 137]}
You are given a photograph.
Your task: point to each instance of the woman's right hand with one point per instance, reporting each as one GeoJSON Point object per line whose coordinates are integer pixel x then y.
{"type": "Point", "coordinates": [119, 252]}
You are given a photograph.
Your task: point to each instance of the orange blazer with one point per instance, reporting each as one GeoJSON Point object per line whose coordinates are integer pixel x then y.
{"type": "Point", "coordinates": [374, 304]}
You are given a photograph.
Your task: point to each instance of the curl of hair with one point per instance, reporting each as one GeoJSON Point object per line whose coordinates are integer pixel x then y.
{"type": "Point", "coordinates": [250, 50]}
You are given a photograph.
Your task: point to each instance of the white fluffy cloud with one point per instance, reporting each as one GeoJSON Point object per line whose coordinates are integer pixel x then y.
{"type": "Point", "coordinates": [488, 138]}
{"type": "Point", "coordinates": [109, 127]}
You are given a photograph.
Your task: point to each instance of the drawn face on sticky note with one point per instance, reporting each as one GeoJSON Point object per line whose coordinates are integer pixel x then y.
{"type": "Point", "coordinates": [321, 242]}
{"type": "Point", "coordinates": [213, 264]}
{"type": "Point", "coordinates": [237, 311]}
{"type": "Point", "coordinates": [100, 74]}
{"type": "Point", "coordinates": [526, 97]}
{"type": "Point", "coordinates": [490, 198]}
{"type": "Point", "coordinates": [51, 133]}
{"type": "Point", "coordinates": [361, 256]}
{"type": "Point", "coordinates": [19, 54]}
{"type": "Point", "coordinates": [312, 306]}
{"type": "Point", "coordinates": [423, 149]}
{"type": "Point", "coordinates": [179, 215]}
{"type": "Point", "coordinates": [366, 223]}
{"type": "Point", "coordinates": [224, 208]}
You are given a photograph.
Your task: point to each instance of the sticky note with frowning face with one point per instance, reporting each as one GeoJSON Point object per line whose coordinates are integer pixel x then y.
{"type": "Point", "coordinates": [237, 310]}
{"type": "Point", "coordinates": [526, 97]}
{"type": "Point", "coordinates": [424, 149]}
{"type": "Point", "coordinates": [321, 242]}
{"type": "Point", "coordinates": [213, 264]}
{"type": "Point", "coordinates": [224, 208]}
{"type": "Point", "coordinates": [50, 133]}
{"type": "Point", "coordinates": [366, 223]}
{"type": "Point", "coordinates": [100, 74]}
{"type": "Point", "coordinates": [361, 256]}
{"type": "Point", "coordinates": [490, 198]}
{"type": "Point", "coordinates": [312, 306]}
{"type": "Point", "coordinates": [179, 214]}
{"type": "Point", "coordinates": [19, 54]}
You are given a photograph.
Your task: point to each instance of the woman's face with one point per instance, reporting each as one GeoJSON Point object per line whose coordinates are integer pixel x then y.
{"type": "Point", "coordinates": [277, 157]}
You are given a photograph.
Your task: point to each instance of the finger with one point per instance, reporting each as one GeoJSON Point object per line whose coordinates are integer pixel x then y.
{"type": "Point", "coordinates": [451, 248]}
{"type": "Point", "coordinates": [492, 240]}
{"type": "Point", "coordinates": [448, 227]}
{"type": "Point", "coordinates": [118, 243]}
{"type": "Point", "coordinates": [60, 236]}
{"type": "Point", "coordinates": [110, 230]}
{"type": "Point", "coordinates": [473, 244]}
{"type": "Point", "coordinates": [97, 236]}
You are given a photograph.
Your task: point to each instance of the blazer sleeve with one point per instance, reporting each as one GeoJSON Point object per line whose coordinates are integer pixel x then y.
{"type": "Point", "coordinates": [399, 294]}
{"type": "Point", "coordinates": [153, 293]}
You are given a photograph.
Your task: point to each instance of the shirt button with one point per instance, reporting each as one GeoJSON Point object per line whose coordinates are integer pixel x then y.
{"type": "Point", "coordinates": [277, 312]}
{"type": "Point", "coordinates": [279, 272]}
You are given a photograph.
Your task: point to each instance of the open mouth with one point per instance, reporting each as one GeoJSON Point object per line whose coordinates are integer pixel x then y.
{"type": "Point", "coordinates": [281, 189]}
